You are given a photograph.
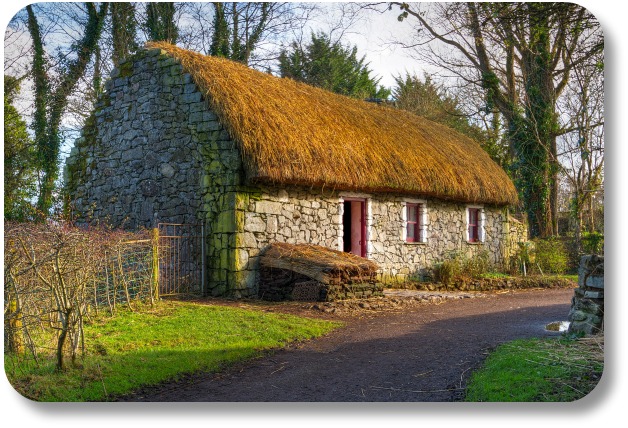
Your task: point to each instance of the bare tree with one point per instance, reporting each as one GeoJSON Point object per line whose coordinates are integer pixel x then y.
{"type": "Point", "coordinates": [522, 56]}
{"type": "Point", "coordinates": [581, 148]}
{"type": "Point", "coordinates": [249, 32]}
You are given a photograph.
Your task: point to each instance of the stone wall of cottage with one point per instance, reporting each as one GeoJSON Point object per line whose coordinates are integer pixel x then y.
{"type": "Point", "coordinates": [153, 152]}
{"type": "Point", "coordinates": [445, 233]}
{"type": "Point", "coordinates": [296, 216]}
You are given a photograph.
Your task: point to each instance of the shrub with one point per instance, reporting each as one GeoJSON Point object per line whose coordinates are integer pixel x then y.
{"type": "Point", "coordinates": [458, 265]}
{"type": "Point", "coordinates": [592, 242]}
{"type": "Point", "coordinates": [550, 256]}
{"type": "Point", "coordinates": [447, 271]}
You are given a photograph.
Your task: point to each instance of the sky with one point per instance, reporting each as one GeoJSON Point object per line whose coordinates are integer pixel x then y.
{"type": "Point", "coordinates": [604, 405]}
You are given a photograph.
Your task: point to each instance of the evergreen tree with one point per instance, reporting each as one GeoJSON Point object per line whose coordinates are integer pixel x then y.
{"type": "Point", "coordinates": [330, 66]}
{"type": "Point", "coordinates": [20, 163]}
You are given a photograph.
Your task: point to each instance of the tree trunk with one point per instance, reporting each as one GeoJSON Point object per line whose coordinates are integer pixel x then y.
{"type": "Point", "coordinates": [50, 105]}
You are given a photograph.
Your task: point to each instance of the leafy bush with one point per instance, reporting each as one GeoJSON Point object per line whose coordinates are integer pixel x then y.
{"type": "Point", "coordinates": [592, 242]}
{"type": "Point", "coordinates": [458, 265]}
{"type": "Point", "coordinates": [519, 262]}
{"type": "Point", "coordinates": [550, 256]}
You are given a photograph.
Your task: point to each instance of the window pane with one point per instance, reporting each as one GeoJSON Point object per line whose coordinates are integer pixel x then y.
{"type": "Point", "coordinates": [473, 216]}
{"type": "Point", "coordinates": [411, 229]}
{"type": "Point", "coordinates": [412, 213]}
{"type": "Point", "coordinates": [473, 233]}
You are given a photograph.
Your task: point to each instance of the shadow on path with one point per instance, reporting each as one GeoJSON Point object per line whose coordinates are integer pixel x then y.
{"type": "Point", "coordinates": [426, 354]}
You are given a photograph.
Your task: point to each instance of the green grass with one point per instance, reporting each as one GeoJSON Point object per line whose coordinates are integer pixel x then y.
{"type": "Point", "coordinates": [535, 370]}
{"type": "Point", "coordinates": [495, 275]}
{"type": "Point", "coordinates": [134, 349]}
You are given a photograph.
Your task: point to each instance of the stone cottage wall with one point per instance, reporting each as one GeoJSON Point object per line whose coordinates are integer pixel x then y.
{"type": "Point", "coordinates": [445, 235]}
{"type": "Point", "coordinates": [153, 152]}
{"type": "Point", "coordinates": [293, 215]}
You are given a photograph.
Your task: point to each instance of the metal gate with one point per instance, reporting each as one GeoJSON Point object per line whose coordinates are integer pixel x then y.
{"type": "Point", "coordinates": [181, 259]}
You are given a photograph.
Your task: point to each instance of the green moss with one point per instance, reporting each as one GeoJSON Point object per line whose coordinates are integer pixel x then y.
{"type": "Point", "coordinates": [126, 69]}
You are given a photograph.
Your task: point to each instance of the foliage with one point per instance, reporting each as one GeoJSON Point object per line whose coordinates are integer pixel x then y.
{"type": "Point", "coordinates": [534, 370]}
{"type": "Point", "coordinates": [550, 256]}
{"type": "Point", "coordinates": [123, 29]}
{"type": "Point", "coordinates": [459, 265]}
{"type": "Point", "coordinates": [519, 262]}
{"type": "Point", "coordinates": [154, 344]}
{"type": "Point", "coordinates": [160, 24]}
{"type": "Point", "coordinates": [20, 163]}
{"type": "Point", "coordinates": [331, 66]}
{"type": "Point", "coordinates": [51, 99]}
{"type": "Point", "coordinates": [593, 242]}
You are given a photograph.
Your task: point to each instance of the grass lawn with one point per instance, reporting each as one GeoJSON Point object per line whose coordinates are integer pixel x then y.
{"type": "Point", "coordinates": [533, 370]}
{"type": "Point", "coordinates": [134, 349]}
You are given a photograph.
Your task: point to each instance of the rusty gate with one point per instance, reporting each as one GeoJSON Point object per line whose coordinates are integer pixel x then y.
{"type": "Point", "coordinates": [181, 259]}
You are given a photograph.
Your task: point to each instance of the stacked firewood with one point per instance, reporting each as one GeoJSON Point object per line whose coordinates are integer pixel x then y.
{"type": "Point", "coordinates": [313, 273]}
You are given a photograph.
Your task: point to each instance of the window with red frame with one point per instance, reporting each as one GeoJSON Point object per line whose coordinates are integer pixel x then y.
{"type": "Point", "coordinates": [474, 224]}
{"type": "Point", "coordinates": [414, 228]}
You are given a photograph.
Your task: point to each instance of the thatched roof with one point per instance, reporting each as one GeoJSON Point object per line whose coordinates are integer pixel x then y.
{"type": "Point", "coordinates": [316, 262]}
{"type": "Point", "coordinates": [292, 133]}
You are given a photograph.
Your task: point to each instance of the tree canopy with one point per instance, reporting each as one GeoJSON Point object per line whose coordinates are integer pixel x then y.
{"type": "Point", "coordinates": [521, 56]}
{"type": "Point", "coordinates": [331, 66]}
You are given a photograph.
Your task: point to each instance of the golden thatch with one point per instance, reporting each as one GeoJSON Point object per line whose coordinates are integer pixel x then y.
{"type": "Point", "coordinates": [316, 262]}
{"type": "Point", "coordinates": [292, 133]}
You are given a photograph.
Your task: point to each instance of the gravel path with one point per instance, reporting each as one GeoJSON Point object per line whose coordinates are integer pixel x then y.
{"type": "Point", "coordinates": [424, 352]}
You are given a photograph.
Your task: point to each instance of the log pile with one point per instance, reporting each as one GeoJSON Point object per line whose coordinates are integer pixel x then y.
{"type": "Point", "coordinates": [313, 273]}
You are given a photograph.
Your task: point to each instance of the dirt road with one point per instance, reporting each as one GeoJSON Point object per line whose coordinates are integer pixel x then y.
{"type": "Point", "coordinates": [425, 353]}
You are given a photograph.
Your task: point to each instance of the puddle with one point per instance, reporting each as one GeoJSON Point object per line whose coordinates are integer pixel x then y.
{"type": "Point", "coordinates": [559, 326]}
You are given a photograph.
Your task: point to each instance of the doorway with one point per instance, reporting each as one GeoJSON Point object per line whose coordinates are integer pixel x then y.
{"type": "Point", "coordinates": [354, 227]}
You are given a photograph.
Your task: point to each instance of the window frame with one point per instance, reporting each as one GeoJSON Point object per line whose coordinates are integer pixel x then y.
{"type": "Point", "coordinates": [477, 226]}
{"type": "Point", "coordinates": [420, 229]}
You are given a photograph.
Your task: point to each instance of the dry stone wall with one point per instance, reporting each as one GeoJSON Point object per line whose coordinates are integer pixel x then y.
{"type": "Point", "coordinates": [295, 215]}
{"type": "Point", "coordinates": [587, 305]}
{"type": "Point", "coordinates": [153, 152]}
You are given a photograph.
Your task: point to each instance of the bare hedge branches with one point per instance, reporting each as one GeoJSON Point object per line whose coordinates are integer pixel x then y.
{"type": "Point", "coordinates": [56, 275]}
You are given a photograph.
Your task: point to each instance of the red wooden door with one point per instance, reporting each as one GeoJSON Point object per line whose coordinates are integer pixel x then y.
{"type": "Point", "coordinates": [355, 227]}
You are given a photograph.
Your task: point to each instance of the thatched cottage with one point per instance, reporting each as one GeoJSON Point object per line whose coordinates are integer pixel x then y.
{"type": "Point", "coordinates": [182, 137]}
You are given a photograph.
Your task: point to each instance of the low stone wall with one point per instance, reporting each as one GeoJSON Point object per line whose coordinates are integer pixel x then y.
{"type": "Point", "coordinates": [587, 306]}
{"type": "Point", "coordinates": [495, 284]}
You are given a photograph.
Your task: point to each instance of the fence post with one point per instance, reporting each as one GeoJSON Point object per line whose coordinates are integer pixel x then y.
{"type": "Point", "coordinates": [203, 258]}
{"type": "Point", "coordinates": [16, 342]}
{"type": "Point", "coordinates": [155, 284]}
